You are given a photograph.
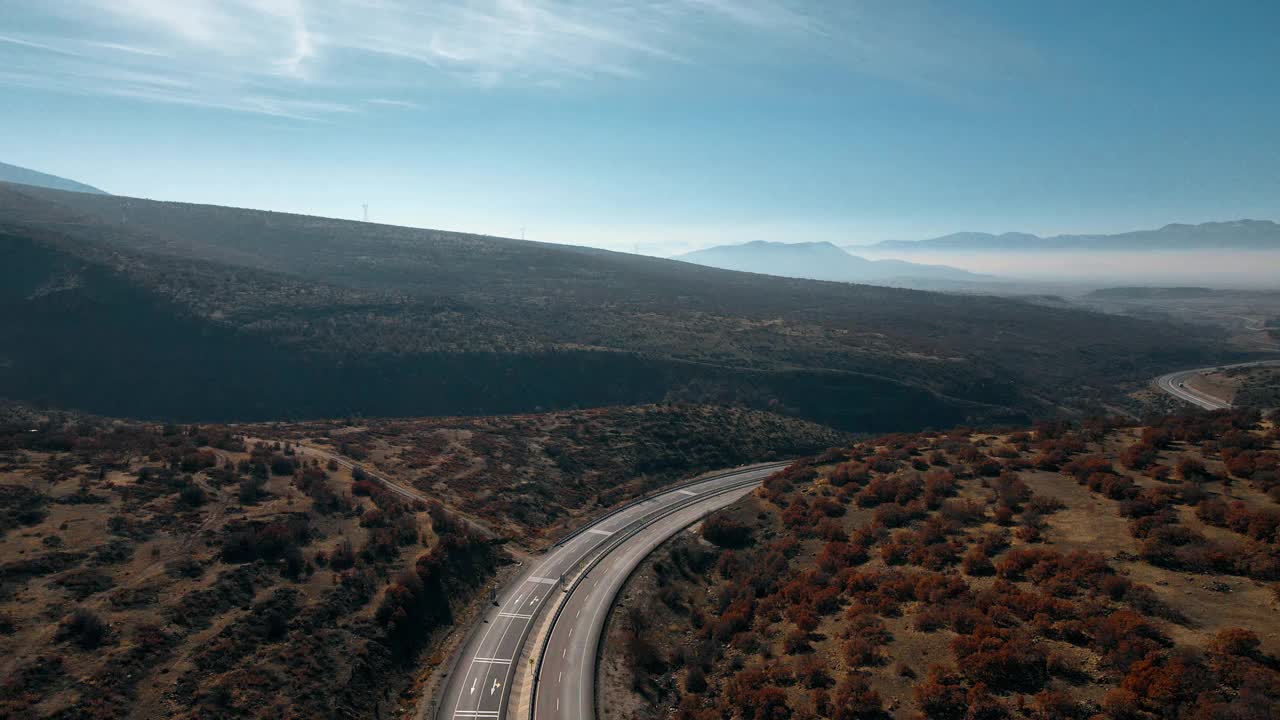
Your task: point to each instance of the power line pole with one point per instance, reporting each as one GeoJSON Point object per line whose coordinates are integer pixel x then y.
{"type": "Point", "coordinates": [366, 211]}
{"type": "Point", "coordinates": [521, 232]}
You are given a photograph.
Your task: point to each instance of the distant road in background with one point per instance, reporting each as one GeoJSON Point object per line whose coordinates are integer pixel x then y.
{"type": "Point", "coordinates": [1175, 383]}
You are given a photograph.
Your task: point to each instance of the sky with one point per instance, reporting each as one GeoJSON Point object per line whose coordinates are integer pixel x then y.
{"type": "Point", "coordinates": [660, 126]}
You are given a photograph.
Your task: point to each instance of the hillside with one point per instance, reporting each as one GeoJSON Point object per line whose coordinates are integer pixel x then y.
{"type": "Point", "coordinates": [1236, 234]}
{"type": "Point", "coordinates": [14, 174]}
{"type": "Point", "coordinates": [821, 261]}
{"type": "Point", "coordinates": [1103, 571]}
{"type": "Point", "coordinates": [209, 571]}
{"type": "Point", "coordinates": [139, 308]}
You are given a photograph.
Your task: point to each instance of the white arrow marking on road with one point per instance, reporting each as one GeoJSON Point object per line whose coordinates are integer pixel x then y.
{"type": "Point", "coordinates": [473, 685]}
{"type": "Point", "coordinates": [496, 685]}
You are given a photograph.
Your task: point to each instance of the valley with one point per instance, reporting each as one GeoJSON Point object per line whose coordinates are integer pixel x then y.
{"type": "Point", "coordinates": [627, 360]}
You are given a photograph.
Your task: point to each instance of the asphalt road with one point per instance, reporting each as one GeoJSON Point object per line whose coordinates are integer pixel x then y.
{"type": "Point", "coordinates": [480, 685]}
{"type": "Point", "coordinates": [1175, 384]}
{"type": "Point", "coordinates": [566, 682]}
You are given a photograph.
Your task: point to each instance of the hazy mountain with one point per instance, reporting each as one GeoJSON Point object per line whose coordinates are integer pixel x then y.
{"type": "Point", "coordinates": [819, 261]}
{"type": "Point", "coordinates": [1237, 234]}
{"type": "Point", "coordinates": [15, 174]}
{"type": "Point", "coordinates": [170, 310]}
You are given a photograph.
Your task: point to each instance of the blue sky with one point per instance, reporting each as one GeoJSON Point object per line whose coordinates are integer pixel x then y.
{"type": "Point", "coordinates": [662, 125]}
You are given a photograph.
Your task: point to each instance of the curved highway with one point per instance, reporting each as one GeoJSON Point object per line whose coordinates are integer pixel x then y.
{"type": "Point", "coordinates": [1175, 383]}
{"type": "Point", "coordinates": [575, 583]}
{"type": "Point", "coordinates": [566, 680]}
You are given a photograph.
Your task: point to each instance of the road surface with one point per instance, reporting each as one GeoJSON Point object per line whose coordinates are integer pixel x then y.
{"type": "Point", "coordinates": [1175, 384]}
{"type": "Point", "coordinates": [479, 686]}
{"type": "Point", "coordinates": [566, 681]}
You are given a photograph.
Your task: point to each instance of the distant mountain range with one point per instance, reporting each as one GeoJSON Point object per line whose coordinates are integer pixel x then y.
{"type": "Point", "coordinates": [1235, 234]}
{"type": "Point", "coordinates": [822, 261]}
{"type": "Point", "coordinates": [25, 176]}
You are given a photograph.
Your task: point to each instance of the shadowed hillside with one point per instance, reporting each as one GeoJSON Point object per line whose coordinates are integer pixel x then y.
{"type": "Point", "coordinates": [142, 308]}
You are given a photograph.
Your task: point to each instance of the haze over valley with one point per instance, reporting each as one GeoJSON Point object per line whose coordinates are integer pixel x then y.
{"type": "Point", "coordinates": [1238, 253]}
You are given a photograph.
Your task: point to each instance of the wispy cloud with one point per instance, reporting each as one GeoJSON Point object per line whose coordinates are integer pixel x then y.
{"type": "Point", "coordinates": [314, 59]}
{"type": "Point", "coordinates": [392, 102]}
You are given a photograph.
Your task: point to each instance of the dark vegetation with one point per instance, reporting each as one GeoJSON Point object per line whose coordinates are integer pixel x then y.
{"type": "Point", "coordinates": [140, 308]}
{"type": "Point", "coordinates": [1091, 571]}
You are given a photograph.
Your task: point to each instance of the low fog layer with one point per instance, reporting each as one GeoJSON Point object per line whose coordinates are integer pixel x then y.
{"type": "Point", "coordinates": [1215, 268]}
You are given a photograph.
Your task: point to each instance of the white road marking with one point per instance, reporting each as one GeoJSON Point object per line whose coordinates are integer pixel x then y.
{"type": "Point", "coordinates": [559, 675]}
{"type": "Point", "coordinates": [513, 608]}
{"type": "Point", "coordinates": [570, 632]}
{"type": "Point", "coordinates": [473, 685]}
{"type": "Point", "coordinates": [686, 492]}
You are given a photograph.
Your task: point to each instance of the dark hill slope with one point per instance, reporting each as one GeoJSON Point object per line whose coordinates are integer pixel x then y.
{"type": "Point", "coordinates": [257, 315]}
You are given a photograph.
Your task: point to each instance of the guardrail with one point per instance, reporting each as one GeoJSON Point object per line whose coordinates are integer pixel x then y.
{"type": "Point", "coordinates": [631, 530]}
{"type": "Point", "coordinates": [598, 554]}
{"type": "Point", "coordinates": [663, 491]}
{"type": "Point", "coordinates": [438, 704]}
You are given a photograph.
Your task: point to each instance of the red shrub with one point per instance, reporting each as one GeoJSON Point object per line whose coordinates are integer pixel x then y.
{"type": "Point", "coordinates": [942, 695]}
